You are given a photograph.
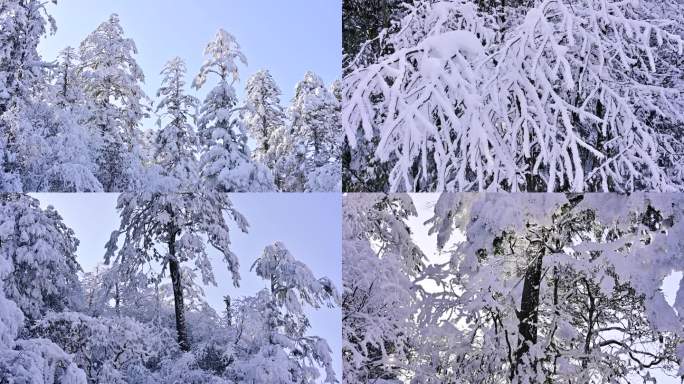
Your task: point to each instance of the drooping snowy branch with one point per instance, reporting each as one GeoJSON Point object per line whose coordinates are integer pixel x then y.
{"type": "Point", "coordinates": [577, 95]}
{"type": "Point", "coordinates": [379, 261]}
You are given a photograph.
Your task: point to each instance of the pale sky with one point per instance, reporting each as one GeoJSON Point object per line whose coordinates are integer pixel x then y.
{"type": "Point", "coordinates": [308, 224]}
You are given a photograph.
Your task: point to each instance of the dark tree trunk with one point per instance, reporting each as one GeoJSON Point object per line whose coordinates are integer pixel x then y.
{"type": "Point", "coordinates": [591, 311]}
{"type": "Point", "coordinates": [117, 299]}
{"type": "Point", "coordinates": [264, 132]}
{"type": "Point", "coordinates": [529, 309]}
{"type": "Point", "coordinates": [229, 310]}
{"type": "Point", "coordinates": [174, 269]}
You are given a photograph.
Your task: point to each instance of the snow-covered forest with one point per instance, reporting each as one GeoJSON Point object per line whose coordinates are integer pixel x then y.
{"type": "Point", "coordinates": [513, 288]}
{"type": "Point", "coordinates": [78, 122]}
{"type": "Point", "coordinates": [513, 95]}
{"type": "Point", "coordinates": [141, 316]}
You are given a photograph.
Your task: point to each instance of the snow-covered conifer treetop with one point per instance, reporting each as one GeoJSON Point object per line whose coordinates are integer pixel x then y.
{"type": "Point", "coordinates": [223, 54]}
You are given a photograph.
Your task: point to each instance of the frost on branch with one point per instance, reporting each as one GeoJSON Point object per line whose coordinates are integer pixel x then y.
{"type": "Point", "coordinates": [535, 288]}
{"type": "Point", "coordinates": [586, 90]}
{"type": "Point", "coordinates": [558, 287]}
{"type": "Point", "coordinates": [576, 95]}
{"type": "Point", "coordinates": [379, 260]}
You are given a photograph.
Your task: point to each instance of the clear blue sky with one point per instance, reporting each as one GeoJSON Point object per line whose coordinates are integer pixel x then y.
{"type": "Point", "coordinates": [308, 224]}
{"type": "Point", "coordinates": [286, 37]}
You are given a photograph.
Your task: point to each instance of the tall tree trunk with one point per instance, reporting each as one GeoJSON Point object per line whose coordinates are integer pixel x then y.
{"type": "Point", "coordinates": [229, 310]}
{"type": "Point", "coordinates": [591, 310]}
{"type": "Point", "coordinates": [174, 269]}
{"type": "Point", "coordinates": [117, 290]}
{"type": "Point", "coordinates": [117, 299]}
{"type": "Point", "coordinates": [529, 308]}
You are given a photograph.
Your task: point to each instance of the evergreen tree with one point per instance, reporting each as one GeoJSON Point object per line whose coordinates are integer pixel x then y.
{"type": "Point", "coordinates": [23, 24]}
{"type": "Point", "coordinates": [264, 115]}
{"type": "Point", "coordinates": [45, 147]}
{"type": "Point", "coordinates": [112, 81]}
{"type": "Point", "coordinates": [226, 160]}
{"type": "Point", "coordinates": [170, 229]}
{"type": "Point", "coordinates": [328, 177]}
{"type": "Point", "coordinates": [290, 167]}
{"type": "Point", "coordinates": [176, 144]}
{"type": "Point", "coordinates": [37, 269]}
{"type": "Point", "coordinates": [273, 324]}
{"type": "Point", "coordinates": [69, 87]}
{"type": "Point", "coordinates": [313, 115]}
{"type": "Point", "coordinates": [308, 151]}
{"type": "Point", "coordinates": [41, 250]}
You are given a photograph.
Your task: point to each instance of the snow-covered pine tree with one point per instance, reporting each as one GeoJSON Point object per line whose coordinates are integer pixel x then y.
{"type": "Point", "coordinates": [316, 126]}
{"type": "Point", "coordinates": [40, 249]}
{"type": "Point", "coordinates": [69, 87]}
{"type": "Point", "coordinates": [273, 347]}
{"type": "Point", "coordinates": [226, 163]}
{"type": "Point", "coordinates": [112, 350]}
{"type": "Point", "coordinates": [290, 164]}
{"type": "Point", "coordinates": [42, 146]}
{"type": "Point", "coordinates": [176, 144]}
{"type": "Point", "coordinates": [68, 95]}
{"type": "Point", "coordinates": [112, 81]}
{"type": "Point", "coordinates": [52, 148]}
{"type": "Point", "coordinates": [37, 275]}
{"type": "Point", "coordinates": [23, 22]}
{"type": "Point", "coordinates": [328, 178]}
{"type": "Point", "coordinates": [264, 114]}
{"type": "Point", "coordinates": [171, 229]}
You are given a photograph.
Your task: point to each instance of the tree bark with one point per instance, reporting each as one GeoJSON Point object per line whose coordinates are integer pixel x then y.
{"type": "Point", "coordinates": [174, 269]}
{"type": "Point", "coordinates": [529, 309]}
{"type": "Point", "coordinates": [229, 310]}
{"type": "Point", "coordinates": [117, 299]}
